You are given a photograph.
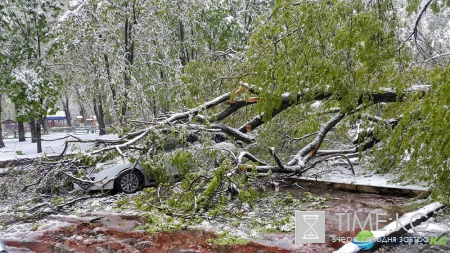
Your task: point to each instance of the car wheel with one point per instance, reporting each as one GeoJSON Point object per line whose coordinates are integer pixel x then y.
{"type": "Point", "coordinates": [129, 181]}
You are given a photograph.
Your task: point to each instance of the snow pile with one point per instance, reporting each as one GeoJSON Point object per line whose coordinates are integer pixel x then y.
{"type": "Point", "coordinates": [339, 171]}
{"type": "Point", "coordinates": [30, 232]}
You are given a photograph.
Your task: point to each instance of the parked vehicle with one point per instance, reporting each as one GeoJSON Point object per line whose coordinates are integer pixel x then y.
{"type": "Point", "coordinates": [121, 175]}
{"type": "Point", "coordinates": [128, 175]}
{"type": "Point", "coordinates": [3, 248]}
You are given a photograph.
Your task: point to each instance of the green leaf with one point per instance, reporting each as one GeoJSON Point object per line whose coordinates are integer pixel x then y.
{"type": "Point", "coordinates": [412, 6]}
{"type": "Point", "coordinates": [435, 7]}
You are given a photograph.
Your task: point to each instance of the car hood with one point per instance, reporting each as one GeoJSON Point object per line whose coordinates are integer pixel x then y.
{"type": "Point", "coordinates": [102, 173]}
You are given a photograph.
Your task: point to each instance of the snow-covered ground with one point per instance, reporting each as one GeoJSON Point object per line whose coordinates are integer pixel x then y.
{"type": "Point", "coordinates": [338, 171]}
{"type": "Point", "coordinates": [52, 144]}
{"type": "Point", "coordinates": [364, 176]}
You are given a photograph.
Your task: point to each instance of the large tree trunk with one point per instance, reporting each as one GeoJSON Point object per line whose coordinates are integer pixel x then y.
{"type": "Point", "coordinates": [184, 53]}
{"type": "Point", "coordinates": [21, 130]}
{"type": "Point", "coordinates": [113, 90]}
{"type": "Point", "coordinates": [129, 58]}
{"type": "Point", "coordinates": [98, 109]}
{"type": "Point", "coordinates": [33, 130]}
{"type": "Point", "coordinates": [83, 114]}
{"type": "Point", "coordinates": [20, 125]}
{"type": "Point", "coordinates": [38, 135]}
{"type": "Point", "coordinates": [44, 126]}
{"type": "Point", "coordinates": [65, 104]}
{"type": "Point", "coordinates": [2, 144]}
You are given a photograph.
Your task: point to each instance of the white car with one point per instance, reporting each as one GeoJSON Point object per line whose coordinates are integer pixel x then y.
{"type": "Point", "coordinates": [3, 248]}
{"type": "Point", "coordinates": [120, 175]}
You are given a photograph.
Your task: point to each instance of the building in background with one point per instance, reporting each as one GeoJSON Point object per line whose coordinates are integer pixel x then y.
{"type": "Point", "coordinates": [56, 120]}
{"type": "Point", "coordinates": [92, 121]}
{"type": "Point", "coordinates": [80, 121]}
{"type": "Point", "coordinates": [9, 126]}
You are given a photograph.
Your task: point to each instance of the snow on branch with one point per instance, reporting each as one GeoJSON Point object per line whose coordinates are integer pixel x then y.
{"type": "Point", "coordinates": [363, 142]}
{"type": "Point", "coordinates": [140, 134]}
{"type": "Point", "coordinates": [234, 133]}
{"type": "Point", "coordinates": [385, 95]}
{"type": "Point", "coordinates": [309, 150]}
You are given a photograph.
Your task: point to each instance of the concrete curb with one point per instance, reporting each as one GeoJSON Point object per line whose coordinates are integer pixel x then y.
{"type": "Point", "coordinates": [397, 191]}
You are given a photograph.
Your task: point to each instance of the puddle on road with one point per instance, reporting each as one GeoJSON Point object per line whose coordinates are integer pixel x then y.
{"type": "Point", "coordinates": [114, 233]}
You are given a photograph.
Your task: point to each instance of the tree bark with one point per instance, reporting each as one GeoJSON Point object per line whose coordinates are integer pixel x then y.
{"type": "Point", "coordinates": [21, 130]}
{"type": "Point", "coordinates": [386, 95]}
{"type": "Point", "coordinates": [20, 125]}
{"type": "Point", "coordinates": [44, 126]}
{"type": "Point", "coordinates": [33, 130]}
{"type": "Point", "coordinates": [65, 104]}
{"type": "Point", "coordinates": [2, 144]}
{"type": "Point", "coordinates": [184, 54]}
{"type": "Point", "coordinates": [113, 90]}
{"type": "Point", "coordinates": [98, 110]}
{"type": "Point", "coordinates": [310, 150]}
{"type": "Point", "coordinates": [129, 57]}
{"type": "Point", "coordinates": [83, 114]}
{"type": "Point", "coordinates": [38, 135]}
{"type": "Point", "coordinates": [101, 119]}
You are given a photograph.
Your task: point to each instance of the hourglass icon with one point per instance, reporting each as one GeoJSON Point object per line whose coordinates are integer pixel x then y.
{"type": "Point", "coordinates": [310, 220]}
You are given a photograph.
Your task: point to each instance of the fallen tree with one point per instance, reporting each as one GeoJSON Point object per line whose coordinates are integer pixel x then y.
{"type": "Point", "coordinates": [207, 176]}
{"type": "Point", "coordinates": [183, 124]}
{"type": "Point", "coordinates": [184, 121]}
